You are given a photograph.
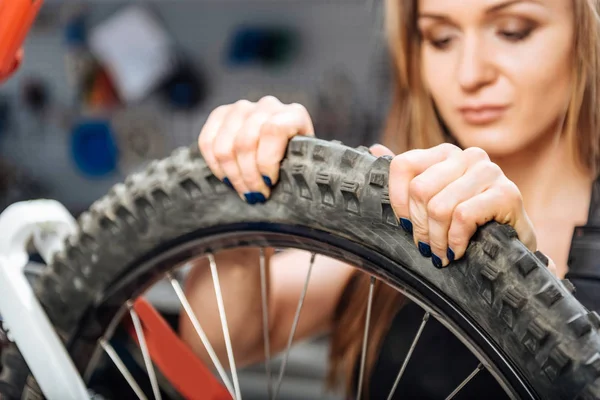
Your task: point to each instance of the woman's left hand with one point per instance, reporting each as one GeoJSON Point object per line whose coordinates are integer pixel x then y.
{"type": "Point", "coordinates": [443, 194]}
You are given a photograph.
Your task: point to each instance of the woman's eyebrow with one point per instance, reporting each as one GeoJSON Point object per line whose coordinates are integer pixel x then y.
{"type": "Point", "coordinates": [493, 9]}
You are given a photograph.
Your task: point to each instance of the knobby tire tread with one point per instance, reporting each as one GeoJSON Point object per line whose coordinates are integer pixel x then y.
{"type": "Point", "coordinates": [534, 318]}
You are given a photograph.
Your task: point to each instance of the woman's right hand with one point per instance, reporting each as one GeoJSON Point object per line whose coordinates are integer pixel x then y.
{"type": "Point", "coordinates": [243, 143]}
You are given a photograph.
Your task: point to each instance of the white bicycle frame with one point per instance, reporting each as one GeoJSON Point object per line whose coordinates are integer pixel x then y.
{"type": "Point", "coordinates": [47, 223]}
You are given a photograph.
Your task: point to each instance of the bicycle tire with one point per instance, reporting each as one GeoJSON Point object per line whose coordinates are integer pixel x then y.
{"type": "Point", "coordinates": [499, 286]}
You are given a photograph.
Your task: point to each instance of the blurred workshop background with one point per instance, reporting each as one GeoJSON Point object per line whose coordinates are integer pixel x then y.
{"type": "Point", "coordinates": [108, 85]}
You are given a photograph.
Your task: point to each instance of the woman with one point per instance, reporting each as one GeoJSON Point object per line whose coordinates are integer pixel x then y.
{"type": "Point", "coordinates": [495, 118]}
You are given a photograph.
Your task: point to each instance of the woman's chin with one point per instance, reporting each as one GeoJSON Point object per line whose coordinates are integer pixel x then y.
{"type": "Point", "coordinates": [496, 142]}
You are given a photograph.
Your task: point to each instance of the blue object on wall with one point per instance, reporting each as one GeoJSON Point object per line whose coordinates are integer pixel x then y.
{"type": "Point", "coordinates": [269, 46]}
{"type": "Point", "coordinates": [93, 148]}
{"type": "Point", "coordinates": [186, 88]}
{"type": "Point", "coordinates": [75, 31]}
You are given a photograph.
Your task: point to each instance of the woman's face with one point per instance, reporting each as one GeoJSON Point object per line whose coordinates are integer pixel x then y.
{"type": "Point", "coordinates": [499, 71]}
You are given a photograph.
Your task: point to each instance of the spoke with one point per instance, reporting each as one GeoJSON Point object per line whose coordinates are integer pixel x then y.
{"type": "Point", "coordinates": [225, 326]}
{"type": "Point", "coordinates": [409, 354]}
{"type": "Point", "coordinates": [265, 313]}
{"type": "Point", "coordinates": [294, 325]}
{"type": "Point", "coordinates": [145, 353]}
{"type": "Point", "coordinates": [365, 339]}
{"type": "Point", "coordinates": [122, 368]}
{"type": "Point", "coordinates": [458, 389]}
{"type": "Point", "coordinates": [211, 352]}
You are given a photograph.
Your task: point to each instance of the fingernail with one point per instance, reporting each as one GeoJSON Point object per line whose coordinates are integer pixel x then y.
{"type": "Point", "coordinates": [267, 181]}
{"type": "Point", "coordinates": [406, 225]}
{"type": "Point", "coordinates": [250, 198]}
{"type": "Point", "coordinates": [227, 182]}
{"type": "Point", "coordinates": [425, 249]}
{"type": "Point", "coordinates": [255, 197]}
{"type": "Point", "coordinates": [437, 262]}
{"type": "Point", "coordinates": [259, 197]}
{"type": "Point", "coordinates": [450, 254]}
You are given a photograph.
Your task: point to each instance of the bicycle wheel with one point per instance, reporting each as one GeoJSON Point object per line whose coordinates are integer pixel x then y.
{"type": "Point", "coordinates": [522, 323]}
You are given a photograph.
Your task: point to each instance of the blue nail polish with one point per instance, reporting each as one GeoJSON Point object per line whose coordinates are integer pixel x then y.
{"type": "Point", "coordinates": [227, 182]}
{"type": "Point", "coordinates": [424, 249]}
{"type": "Point", "coordinates": [259, 197]}
{"type": "Point", "coordinates": [250, 198]}
{"type": "Point", "coordinates": [450, 254]}
{"type": "Point", "coordinates": [437, 262]}
{"type": "Point", "coordinates": [406, 225]}
{"type": "Point", "coordinates": [267, 181]}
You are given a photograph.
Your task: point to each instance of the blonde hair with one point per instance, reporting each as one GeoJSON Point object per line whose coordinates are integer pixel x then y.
{"type": "Point", "coordinates": [413, 123]}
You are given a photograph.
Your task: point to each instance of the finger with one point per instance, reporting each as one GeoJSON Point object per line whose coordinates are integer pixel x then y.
{"type": "Point", "coordinates": [246, 147]}
{"type": "Point", "coordinates": [422, 189]}
{"type": "Point", "coordinates": [207, 136]}
{"type": "Point", "coordinates": [275, 135]}
{"type": "Point", "coordinates": [552, 267]}
{"type": "Point", "coordinates": [477, 178]}
{"type": "Point", "coordinates": [403, 168]}
{"type": "Point", "coordinates": [223, 146]}
{"type": "Point", "coordinates": [379, 150]}
{"type": "Point", "coordinates": [501, 203]}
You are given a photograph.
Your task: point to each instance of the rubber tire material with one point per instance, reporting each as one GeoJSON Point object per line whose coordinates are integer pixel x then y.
{"type": "Point", "coordinates": [500, 285]}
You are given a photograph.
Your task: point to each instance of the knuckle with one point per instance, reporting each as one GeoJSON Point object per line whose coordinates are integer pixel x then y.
{"type": "Point", "coordinates": [297, 107]}
{"type": "Point", "coordinates": [462, 215]}
{"type": "Point", "coordinates": [257, 118]}
{"type": "Point", "coordinates": [476, 154]}
{"type": "Point", "coordinates": [488, 168]}
{"type": "Point", "coordinates": [220, 110]}
{"type": "Point", "coordinates": [246, 143]}
{"type": "Point", "coordinates": [242, 105]}
{"type": "Point", "coordinates": [439, 210]}
{"type": "Point", "coordinates": [438, 247]}
{"type": "Point", "coordinates": [400, 163]}
{"type": "Point", "coordinates": [272, 128]}
{"type": "Point", "coordinates": [269, 166]}
{"type": "Point", "coordinates": [223, 153]}
{"type": "Point", "coordinates": [510, 191]}
{"type": "Point", "coordinates": [269, 100]}
{"type": "Point", "coordinates": [449, 148]}
{"type": "Point", "coordinates": [419, 190]}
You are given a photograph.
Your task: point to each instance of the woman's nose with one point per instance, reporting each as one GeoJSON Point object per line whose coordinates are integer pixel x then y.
{"type": "Point", "coordinates": [475, 67]}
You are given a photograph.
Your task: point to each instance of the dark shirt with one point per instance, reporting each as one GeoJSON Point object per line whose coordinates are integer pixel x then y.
{"type": "Point", "coordinates": [440, 362]}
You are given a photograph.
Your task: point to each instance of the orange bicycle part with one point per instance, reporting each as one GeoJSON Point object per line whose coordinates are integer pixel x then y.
{"type": "Point", "coordinates": [184, 370]}
{"type": "Point", "coordinates": [16, 18]}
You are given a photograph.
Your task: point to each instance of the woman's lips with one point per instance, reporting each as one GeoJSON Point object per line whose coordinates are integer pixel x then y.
{"type": "Point", "coordinates": [484, 114]}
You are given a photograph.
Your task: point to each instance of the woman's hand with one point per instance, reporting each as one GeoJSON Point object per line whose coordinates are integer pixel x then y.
{"type": "Point", "coordinates": [243, 143]}
{"type": "Point", "coordinates": [441, 195]}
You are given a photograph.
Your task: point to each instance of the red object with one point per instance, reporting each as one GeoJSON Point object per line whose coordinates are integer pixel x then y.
{"type": "Point", "coordinates": [101, 93]}
{"type": "Point", "coordinates": [174, 359]}
{"type": "Point", "coordinates": [16, 18]}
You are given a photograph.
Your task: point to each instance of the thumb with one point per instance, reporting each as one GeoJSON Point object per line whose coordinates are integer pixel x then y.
{"type": "Point", "coordinates": [552, 267]}
{"type": "Point", "coordinates": [550, 264]}
{"type": "Point", "coordinates": [379, 150]}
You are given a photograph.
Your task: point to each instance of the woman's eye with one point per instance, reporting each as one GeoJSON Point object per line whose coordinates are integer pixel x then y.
{"type": "Point", "coordinates": [439, 37]}
{"type": "Point", "coordinates": [515, 30]}
{"type": "Point", "coordinates": [517, 35]}
{"type": "Point", "coordinates": [441, 43]}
